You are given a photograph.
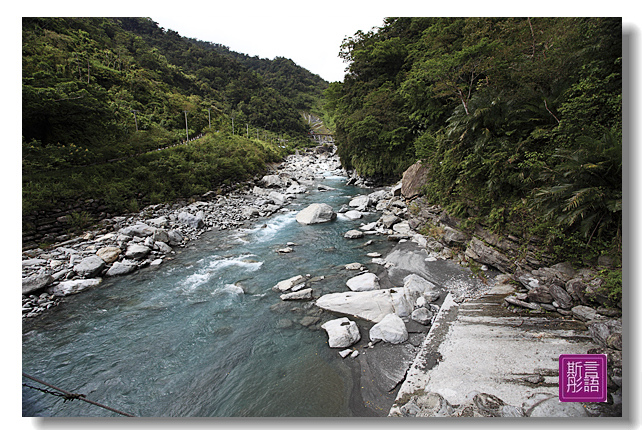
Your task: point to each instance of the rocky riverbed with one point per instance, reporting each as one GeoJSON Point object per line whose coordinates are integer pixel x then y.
{"type": "Point", "coordinates": [395, 299]}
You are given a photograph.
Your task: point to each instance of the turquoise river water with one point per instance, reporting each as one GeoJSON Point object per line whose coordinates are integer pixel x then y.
{"type": "Point", "coordinates": [203, 334]}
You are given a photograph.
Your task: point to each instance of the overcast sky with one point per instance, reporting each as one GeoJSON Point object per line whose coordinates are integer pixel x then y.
{"type": "Point", "coordinates": [311, 40]}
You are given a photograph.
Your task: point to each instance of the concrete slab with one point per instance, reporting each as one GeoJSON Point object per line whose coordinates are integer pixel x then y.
{"type": "Point", "coordinates": [481, 346]}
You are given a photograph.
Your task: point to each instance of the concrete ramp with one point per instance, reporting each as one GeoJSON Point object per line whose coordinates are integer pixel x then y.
{"type": "Point", "coordinates": [482, 347]}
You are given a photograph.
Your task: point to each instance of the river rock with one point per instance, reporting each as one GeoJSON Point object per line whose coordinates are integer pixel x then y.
{"type": "Point", "coordinates": [369, 305]}
{"type": "Point", "coordinates": [354, 266]}
{"type": "Point", "coordinates": [287, 284]}
{"type": "Point", "coordinates": [540, 295]}
{"type": "Point", "coordinates": [342, 332]}
{"type": "Point", "coordinates": [576, 288]}
{"type": "Point", "coordinates": [159, 222]}
{"type": "Point", "coordinates": [305, 294]}
{"type": "Point", "coordinates": [192, 221]}
{"type": "Point", "coordinates": [586, 313]}
{"type": "Point", "coordinates": [389, 220]}
{"type": "Point", "coordinates": [296, 189]}
{"type": "Point", "coordinates": [360, 202]}
{"type": "Point", "coordinates": [413, 179]}
{"type": "Point", "coordinates": [67, 288]}
{"type": "Point", "coordinates": [175, 237]}
{"type": "Point", "coordinates": [390, 329]}
{"type": "Point", "coordinates": [160, 235]}
{"type": "Point", "coordinates": [452, 236]}
{"type": "Point", "coordinates": [422, 315]}
{"type": "Point", "coordinates": [316, 213]}
{"type": "Point", "coordinates": [353, 215]}
{"type": "Point", "coordinates": [137, 230]}
{"type": "Point", "coordinates": [136, 251]}
{"type": "Point", "coordinates": [162, 247]}
{"type": "Point", "coordinates": [277, 198]}
{"type": "Point", "coordinates": [364, 282]}
{"type": "Point", "coordinates": [120, 268]}
{"type": "Point", "coordinates": [402, 228]}
{"type": "Point", "coordinates": [559, 294]}
{"type": "Point", "coordinates": [272, 181]}
{"type": "Point", "coordinates": [36, 282]}
{"type": "Point", "coordinates": [90, 266]}
{"type": "Point", "coordinates": [109, 254]}
{"type": "Point", "coordinates": [353, 234]}
{"type": "Point", "coordinates": [417, 287]}
{"type": "Point", "coordinates": [33, 262]}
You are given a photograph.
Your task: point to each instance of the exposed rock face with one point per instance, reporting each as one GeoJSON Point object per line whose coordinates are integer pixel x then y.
{"type": "Point", "coordinates": [413, 179]}
{"type": "Point", "coordinates": [316, 213]}
{"type": "Point", "coordinates": [342, 332]}
{"type": "Point", "coordinates": [479, 251]}
{"type": "Point", "coordinates": [390, 329]}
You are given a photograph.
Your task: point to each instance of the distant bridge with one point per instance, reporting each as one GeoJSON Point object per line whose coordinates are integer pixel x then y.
{"type": "Point", "coordinates": [321, 137]}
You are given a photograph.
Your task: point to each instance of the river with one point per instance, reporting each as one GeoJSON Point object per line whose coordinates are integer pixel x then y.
{"type": "Point", "coordinates": [203, 334]}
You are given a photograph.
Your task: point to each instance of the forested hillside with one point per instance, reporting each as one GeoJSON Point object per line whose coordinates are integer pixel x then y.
{"type": "Point", "coordinates": [519, 120]}
{"type": "Point", "coordinates": [98, 89]}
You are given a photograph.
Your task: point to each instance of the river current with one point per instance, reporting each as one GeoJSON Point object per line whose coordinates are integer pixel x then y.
{"type": "Point", "coordinates": [203, 334]}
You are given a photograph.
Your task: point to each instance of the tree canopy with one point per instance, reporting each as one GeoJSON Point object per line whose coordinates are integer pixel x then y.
{"type": "Point", "coordinates": [503, 111]}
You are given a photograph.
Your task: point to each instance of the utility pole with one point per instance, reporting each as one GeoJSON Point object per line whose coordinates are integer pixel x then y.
{"type": "Point", "coordinates": [232, 126]}
{"type": "Point", "coordinates": [186, 129]}
{"type": "Point", "coordinates": [209, 116]}
{"type": "Point", "coordinates": [247, 131]}
{"type": "Point", "coordinates": [135, 119]}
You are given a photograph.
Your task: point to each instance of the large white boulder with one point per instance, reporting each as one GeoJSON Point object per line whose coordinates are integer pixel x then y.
{"type": "Point", "coordinates": [390, 329]}
{"type": "Point", "coordinates": [342, 332]}
{"type": "Point", "coordinates": [316, 213]}
{"type": "Point", "coordinates": [369, 305]}
{"type": "Point", "coordinates": [364, 282]}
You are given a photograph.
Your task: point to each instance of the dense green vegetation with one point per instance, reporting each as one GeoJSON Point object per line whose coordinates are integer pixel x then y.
{"type": "Point", "coordinates": [154, 177]}
{"type": "Point", "coordinates": [99, 89]}
{"type": "Point", "coordinates": [518, 119]}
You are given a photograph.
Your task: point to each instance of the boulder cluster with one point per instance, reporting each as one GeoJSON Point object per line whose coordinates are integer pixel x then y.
{"type": "Point", "coordinates": [123, 244]}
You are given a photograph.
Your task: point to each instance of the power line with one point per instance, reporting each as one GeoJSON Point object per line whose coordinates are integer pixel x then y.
{"type": "Point", "coordinates": [69, 396]}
